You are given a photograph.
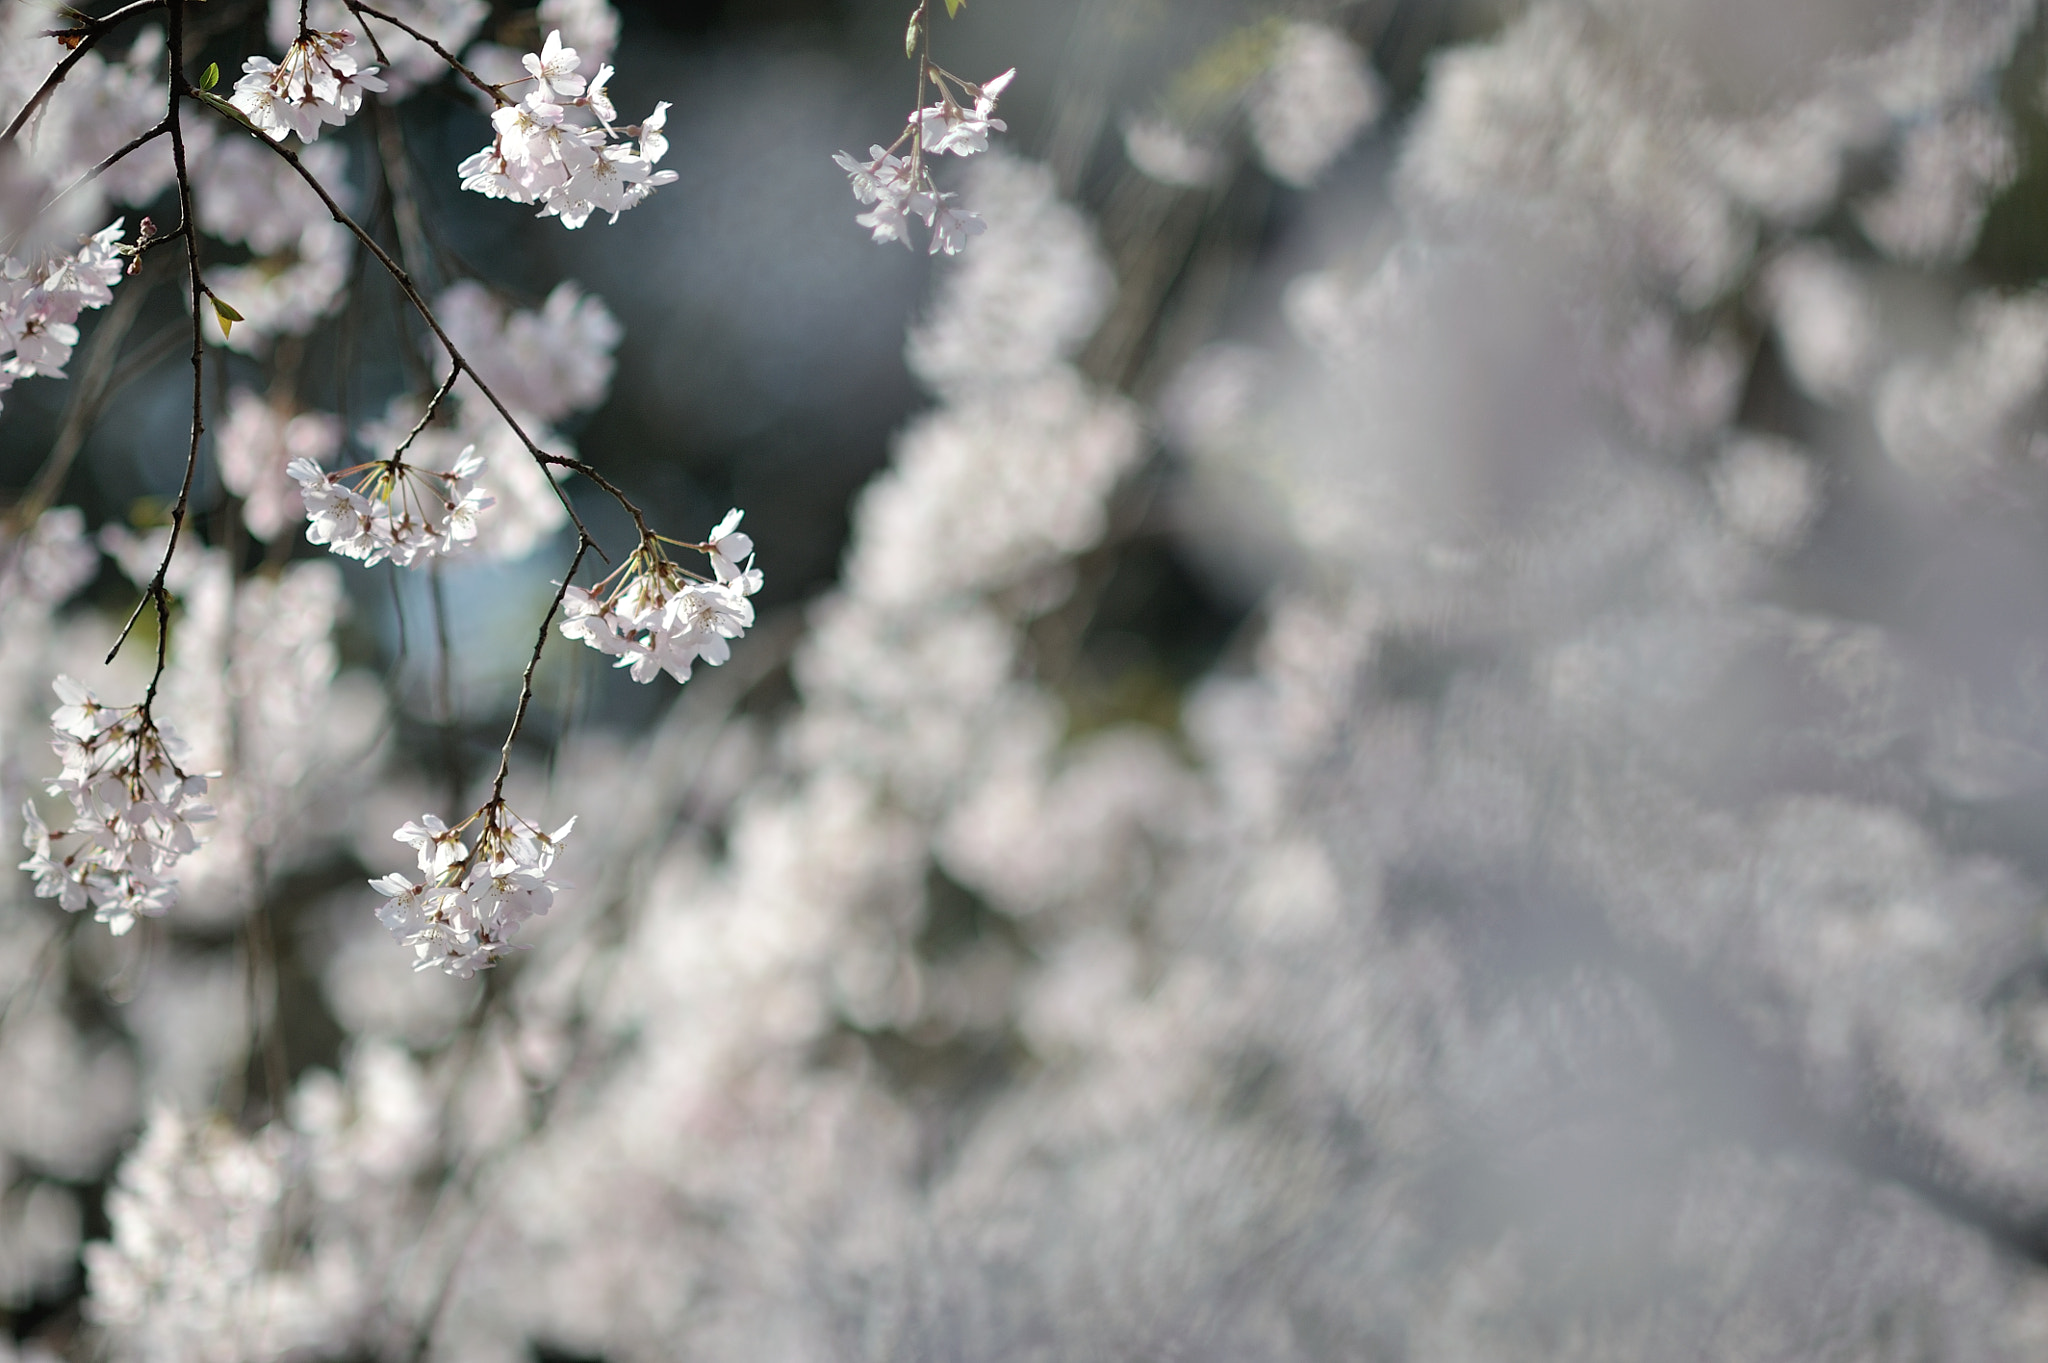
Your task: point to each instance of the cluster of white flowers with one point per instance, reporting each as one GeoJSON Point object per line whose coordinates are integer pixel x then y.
{"type": "Point", "coordinates": [40, 301]}
{"type": "Point", "coordinates": [571, 169]}
{"type": "Point", "coordinates": [411, 64]}
{"type": "Point", "coordinates": [135, 804]}
{"type": "Point", "coordinates": [395, 510]}
{"type": "Point", "coordinates": [901, 187]}
{"type": "Point", "coordinates": [654, 617]}
{"type": "Point", "coordinates": [318, 83]}
{"type": "Point", "coordinates": [544, 364]}
{"type": "Point", "coordinates": [461, 913]}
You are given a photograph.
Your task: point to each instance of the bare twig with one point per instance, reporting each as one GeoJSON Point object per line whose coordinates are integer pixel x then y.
{"type": "Point", "coordinates": [433, 405]}
{"type": "Point", "coordinates": [497, 96]}
{"type": "Point", "coordinates": [540, 639]}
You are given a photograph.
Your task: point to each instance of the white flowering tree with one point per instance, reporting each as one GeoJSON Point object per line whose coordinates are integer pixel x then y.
{"type": "Point", "coordinates": [1576, 893]}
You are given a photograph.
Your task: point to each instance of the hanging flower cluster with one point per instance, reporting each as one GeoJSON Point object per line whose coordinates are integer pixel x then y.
{"type": "Point", "coordinates": [901, 187]}
{"type": "Point", "coordinates": [656, 617]}
{"type": "Point", "coordinates": [317, 83]}
{"type": "Point", "coordinates": [134, 804]}
{"type": "Point", "coordinates": [571, 169]}
{"type": "Point", "coordinates": [40, 302]}
{"type": "Point", "coordinates": [394, 510]}
{"type": "Point", "coordinates": [462, 911]}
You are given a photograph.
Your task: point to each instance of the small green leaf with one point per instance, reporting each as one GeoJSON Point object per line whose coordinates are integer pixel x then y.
{"type": "Point", "coordinates": [910, 34]}
{"type": "Point", "coordinates": [212, 76]}
{"type": "Point", "coordinates": [227, 315]}
{"type": "Point", "coordinates": [953, 8]}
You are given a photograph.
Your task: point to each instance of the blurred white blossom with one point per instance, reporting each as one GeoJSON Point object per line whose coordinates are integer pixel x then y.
{"type": "Point", "coordinates": [1317, 95]}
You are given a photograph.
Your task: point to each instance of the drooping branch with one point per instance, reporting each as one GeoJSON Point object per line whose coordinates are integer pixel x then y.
{"type": "Point", "coordinates": [362, 11]}
{"type": "Point", "coordinates": [157, 593]}
{"type": "Point", "coordinates": [456, 358]}
{"type": "Point", "coordinates": [540, 640]}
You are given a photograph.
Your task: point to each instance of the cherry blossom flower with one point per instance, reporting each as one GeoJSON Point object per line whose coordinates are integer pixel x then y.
{"type": "Point", "coordinates": [317, 83]}
{"type": "Point", "coordinates": [654, 617]}
{"type": "Point", "coordinates": [729, 546]}
{"type": "Point", "coordinates": [900, 188]}
{"type": "Point", "coordinates": [134, 805]}
{"type": "Point", "coordinates": [412, 63]}
{"type": "Point", "coordinates": [951, 226]}
{"type": "Point", "coordinates": [888, 183]}
{"type": "Point", "coordinates": [394, 510]}
{"type": "Point", "coordinates": [461, 913]}
{"type": "Point", "coordinates": [1315, 99]}
{"type": "Point", "coordinates": [40, 300]}
{"type": "Point", "coordinates": [546, 363]}
{"type": "Point", "coordinates": [571, 169]}
{"type": "Point", "coordinates": [553, 71]}
{"type": "Point", "coordinates": [946, 126]}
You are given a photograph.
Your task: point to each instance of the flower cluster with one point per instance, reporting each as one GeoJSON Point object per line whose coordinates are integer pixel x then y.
{"type": "Point", "coordinates": [901, 187]}
{"type": "Point", "coordinates": [394, 510]}
{"type": "Point", "coordinates": [317, 83]}
{"type": "Point", "coordinates": [40, 302]}
{"type": "Point", "coordinates": [405, 63]}
{"type": "Point", "coordinates": [462, 911]}
{"type": "Point", "coordinates": [135, 806]}
{"type": "Point", "coordinates": [654, 617]}
{"type": "Point", "coordinates": [571, 169]}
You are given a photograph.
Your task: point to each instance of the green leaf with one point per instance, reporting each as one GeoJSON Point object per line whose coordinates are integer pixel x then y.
{"type": "Point", "coordinates": [953, 8]}
{"type": "Point", "coordinates": [212, 76]}
{"type": "Point", "coordinates": [227, 315]}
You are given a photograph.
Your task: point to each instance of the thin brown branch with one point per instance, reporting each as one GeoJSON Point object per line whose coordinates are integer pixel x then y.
{"type": "Point", "coordinates": [604, 484]}
{"type": "Point", "coordinates": [362, 11]}
{"type": "Point", "coordinates": [540, 640]}
{"type": "Point", "coordinates": [433, 405]}
{"type": "Point", "coordinates": [196, 287]}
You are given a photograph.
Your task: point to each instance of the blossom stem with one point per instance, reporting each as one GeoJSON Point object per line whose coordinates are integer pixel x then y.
{"type": "Point", "coordinates": [922, 20]}
{"type": "Point", "coordinates": [433, 406]}
{"type": "Point", "coordinates": [362, 11]}
{"type": "Point", "coordinates": [540, 641]}
{"type": "Point", "coordinates": [578, 466]}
